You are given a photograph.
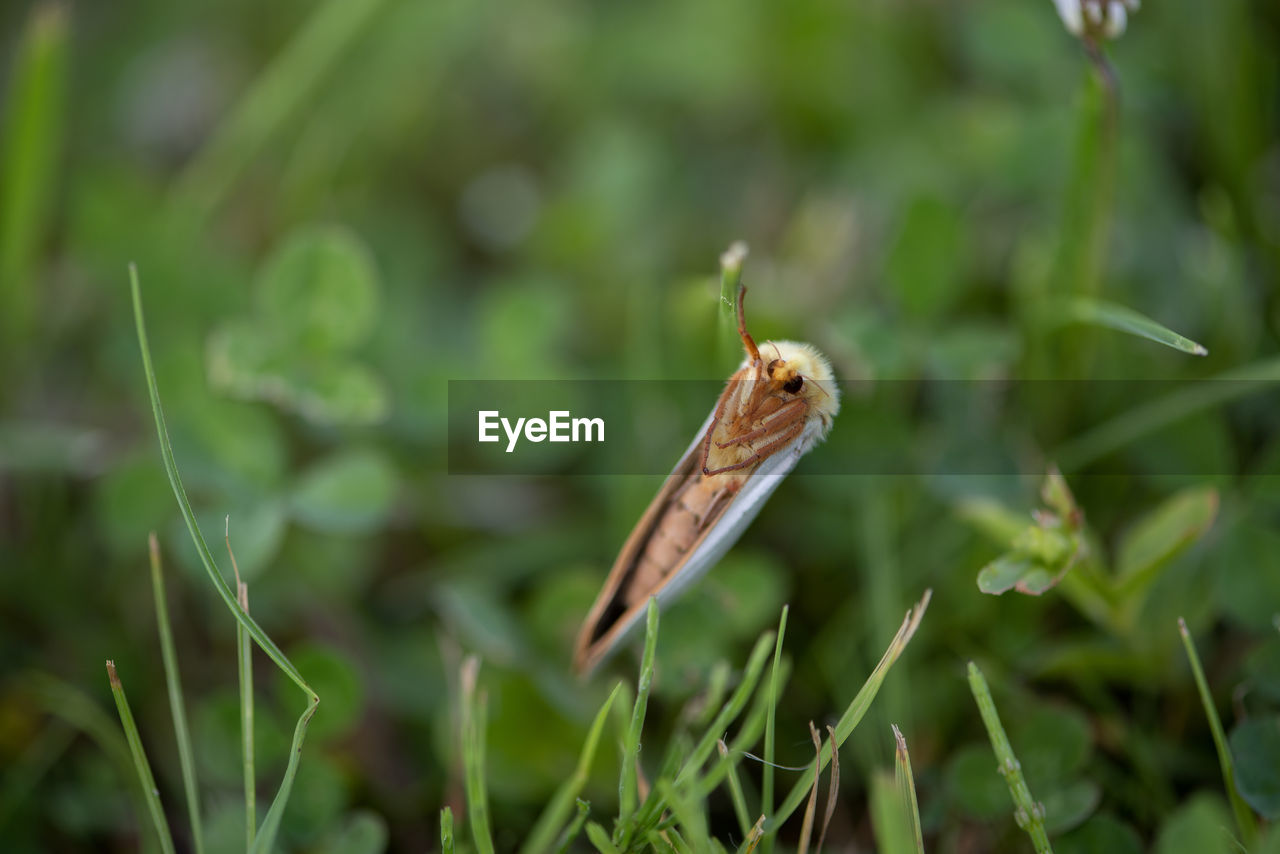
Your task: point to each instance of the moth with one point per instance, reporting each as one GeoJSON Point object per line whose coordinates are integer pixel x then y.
{"type": "Point", "coordinates": [778, 404]}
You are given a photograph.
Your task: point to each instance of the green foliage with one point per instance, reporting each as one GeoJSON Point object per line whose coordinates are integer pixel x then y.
{"type": "Point", "coordinates": [337, 211]}
{"type": "Point", "coordinates": [30, 148]}
{"type": "Point", "coordinates": [317, 299]}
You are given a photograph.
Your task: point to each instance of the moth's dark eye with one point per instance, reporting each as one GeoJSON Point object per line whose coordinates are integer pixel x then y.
{"type": "Point", "coordinates": [793, 385]}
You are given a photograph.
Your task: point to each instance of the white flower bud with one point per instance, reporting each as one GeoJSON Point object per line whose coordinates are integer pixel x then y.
{"type": "Point", "coordinates": [1116, 20]}
{"type": "Point", "coordinates": [1069, 12]}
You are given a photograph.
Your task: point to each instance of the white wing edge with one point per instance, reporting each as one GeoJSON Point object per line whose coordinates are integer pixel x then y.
{"type": "Point", "coordinates": [744, 508]}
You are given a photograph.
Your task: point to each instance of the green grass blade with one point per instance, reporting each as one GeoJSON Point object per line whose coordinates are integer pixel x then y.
{"type": "Point", "coordinates": [474, 714]}
{"type": "Point", "coordinates": [561, 804]}
{"type": "Point", "coordinates": [244, 671]}
{"type": "Point", "coordinates": [631, 747]}
{"type": "Point", "coordinates": [599, 837]}
{"type": "Point", "coordinates": [575, 827]}
{"type": "Point", "coordinates": [1246, 823]}
{"type": "Point", "coordinates": [748, 734]}
{"type": "Point", "coordinates": [177, 705]}
{"type": "Point", "coordinates": [446, 831]}
{"type": "Point", "coordinates": [1096, 312]}
{"type": "Point", "coordinates": [689, 813]}
{"type": "Point", "coordinates": [149, 791]}
{"type": "Point", "coordinates": [766, 773]}
{"type": "Point", "coordinates": [244, 667]}
{"type": "Point", "coordinates": [1029, 814]}
{"type": "Point", "coordinates": [906, 783]}
{"type": "Point", "coordinates": [280, 93]}
{"type": "Point", "coordinates": [735, 791]}
{"type": "Point", "coordinates": [31, 146]}
{"type": "Point", "coordinates": [270, 824]}
{"type": "Point", "coordinates": [732, 708]}
{"type": "Point", "coordinates": [854, 712]}
{"type": "Point", "coordinates": [1150, 417]}
{"type": "Point", "coordinates": [892, 835]}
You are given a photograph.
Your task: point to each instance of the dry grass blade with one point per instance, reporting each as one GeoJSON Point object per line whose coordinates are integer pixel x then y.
{"type": "Point", "coordinates": [806, 826]}
{"type": "Point", "coordinates": [753, 838]}
{"type": "Point", "coordinates": [833, 788]}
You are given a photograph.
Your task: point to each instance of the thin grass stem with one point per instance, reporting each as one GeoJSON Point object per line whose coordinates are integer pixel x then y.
{"type": "Point", "coordinates": [143, 768]}
{"type": "Point", "coordinates": [446, 831]}
{"type": "Point", "coordinates": [177, 705]}
{"type": "Point", "coordinates": [1245, 821]}
{"type": "Point", "coordinates": [735, 790]}
{"type": "Point", "coordinates": [575, 827]}
{"type": "Point", "coordinates": [265, 840]}
{"type": "Point", "coordinates": [474, 715]}
{"type": "Point", "coordinates": [627, 798]}
{"type": "Point", "coordinates": [770, 721]}
{"type": "Point", "coordinates": [244, 670]}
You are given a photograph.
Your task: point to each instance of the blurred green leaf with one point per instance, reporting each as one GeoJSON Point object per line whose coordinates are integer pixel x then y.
{"type": "Point", "coordinates": [336, 678]}
{"type": "Point", "coordinates": [1201, 825]}
{"type": "Point", "coordinates": [974, 784]}
{"type": "Point", "coordinates": [317, 299]}
{"type": "Point", "coordinates": [1066, 807]}
{"type": "Point", "coordinates": [1009, 571]}
{"type": "Point", "coordinates": [363, 832]}
{"type": "Point", "coordinates": [319, 291]}
{"type": "Point", "coordinates": [31, 148]}
{"type": "Point", "coordinates": [992, 519]}
{"type": "Point", "coordinates": [1054, 743]}
{"type": "Point", "coordinates": [926, 263]}
{"type": "Point", "coordinates": [1247, 576]}
{"type": "Point", "coordinates": [349, 492]}
{"type": "Point", "coordinates": [1255, 744]}
{"type": "Point", "coordinates": [257, 530]}
{"type": "Point", "coordinates": [50, 448]}
{"type": "Point", "coordinates": [1161, 535]}
{"type": "Point", "coordinates": [1262, 669]}
{"type": "Point", "coordinates": [1042, 553]}
{"type": "Point", "coordinates": [322, 389]}
{"type": "Point", "coordinates": [1103, 832]}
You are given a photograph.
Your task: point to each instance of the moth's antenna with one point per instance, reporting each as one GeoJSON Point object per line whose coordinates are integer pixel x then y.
{"type": "Point", "coordinates": [752, 350]}
{"type": "Point", "coordinates": [817, 385]}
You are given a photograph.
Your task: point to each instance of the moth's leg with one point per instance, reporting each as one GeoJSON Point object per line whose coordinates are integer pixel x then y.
{"type": "Point", "coordinates": [783, 416]}
{"type": "Point", "coordinates": [767, 451]}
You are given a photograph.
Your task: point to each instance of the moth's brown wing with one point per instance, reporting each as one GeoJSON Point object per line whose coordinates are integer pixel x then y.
{"type": "Point", "coordinates": [603, 622]}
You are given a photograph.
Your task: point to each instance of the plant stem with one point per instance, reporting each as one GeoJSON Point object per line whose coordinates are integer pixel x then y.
{"type": "Point", "coordinates": [1028, 813]}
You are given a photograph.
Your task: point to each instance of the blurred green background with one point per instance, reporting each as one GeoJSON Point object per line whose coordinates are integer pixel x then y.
{"type": "Point", "coordinates": [336, 207]}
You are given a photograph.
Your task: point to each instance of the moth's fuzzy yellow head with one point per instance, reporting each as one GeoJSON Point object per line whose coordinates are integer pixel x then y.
{"type": "Point", "coordinates": [805, 372]}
